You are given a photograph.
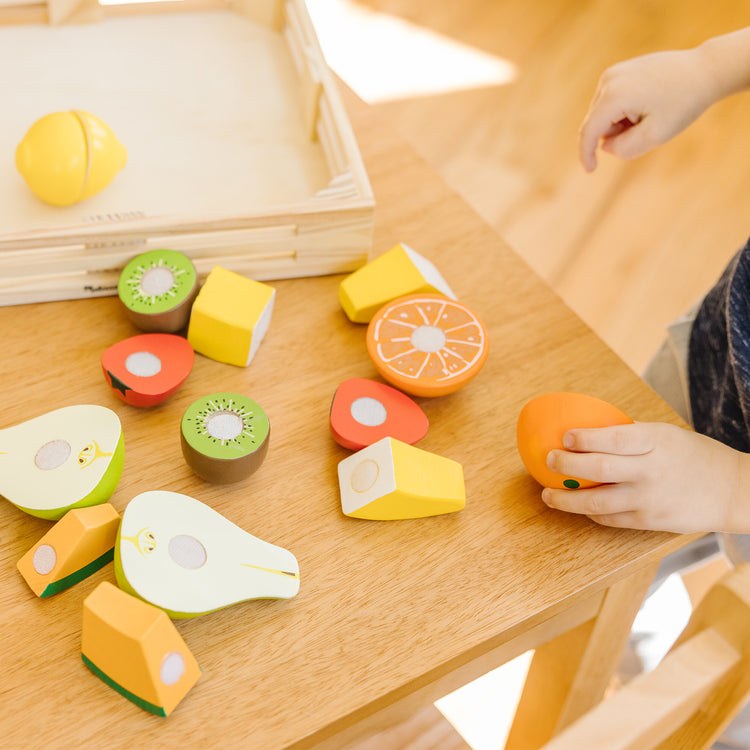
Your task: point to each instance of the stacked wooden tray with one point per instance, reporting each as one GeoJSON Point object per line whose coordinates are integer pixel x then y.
{"type": "Point", "coordinates": [240, 153]}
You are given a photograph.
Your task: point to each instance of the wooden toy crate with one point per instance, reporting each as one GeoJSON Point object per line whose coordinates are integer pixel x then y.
{"type": "Point", "coordinates": [240, 152]}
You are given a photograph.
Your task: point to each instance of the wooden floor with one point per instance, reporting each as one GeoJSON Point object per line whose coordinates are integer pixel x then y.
{"type": "Point", "coordinates": [629, 247]}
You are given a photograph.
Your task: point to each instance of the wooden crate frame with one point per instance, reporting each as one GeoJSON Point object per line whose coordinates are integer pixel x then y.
{"type": "Point", "coordinates": [329, 233]}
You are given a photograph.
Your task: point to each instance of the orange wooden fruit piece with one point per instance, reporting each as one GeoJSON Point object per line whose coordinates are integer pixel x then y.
{"type": "Point", "coordinates": [427, 344]}
{"type": "Point", "coordinates": [147, 369]}
{"type": "Point", "coordinates": [364, 411]}
{"type": "Point", "coordinates": [544, 421]}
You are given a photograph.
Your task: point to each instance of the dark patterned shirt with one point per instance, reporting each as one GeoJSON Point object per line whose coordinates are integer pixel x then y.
{"type": "Point", "coordinates": [719, 358]}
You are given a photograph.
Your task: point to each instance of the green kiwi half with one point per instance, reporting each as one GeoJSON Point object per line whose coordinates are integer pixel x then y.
{"type": "Point", "coordinates": [157, 289]}
{"type": "Point", "coordinates": [224, 437]}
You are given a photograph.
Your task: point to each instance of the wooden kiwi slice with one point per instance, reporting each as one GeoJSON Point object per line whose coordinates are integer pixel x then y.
{"type": "Point", "coordinates": [157, 289]}
{"type": "Point", "coordinates": [224, 437]}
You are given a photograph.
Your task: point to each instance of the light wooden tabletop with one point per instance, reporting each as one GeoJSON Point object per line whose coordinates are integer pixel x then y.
{"type": "Point", "coordinates": [384, 607]}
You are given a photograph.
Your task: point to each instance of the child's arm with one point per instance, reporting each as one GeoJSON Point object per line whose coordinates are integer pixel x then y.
{"type": "Point", "coordinates": [643, 102]}
{"type": "Point", "coordinates": [658, 476]}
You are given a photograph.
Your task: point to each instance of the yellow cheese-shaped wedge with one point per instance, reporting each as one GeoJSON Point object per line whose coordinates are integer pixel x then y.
{"type": "Point", "coordinates": [230, 317]}
{"type": "Point", "coordinates": [80, 543]}
{"type": "Point", "coordinates": [396, 273]}
{"type": "Point", "coordinates": [390, 480]}
{"type": "Point", "coordinates": [136, 649]}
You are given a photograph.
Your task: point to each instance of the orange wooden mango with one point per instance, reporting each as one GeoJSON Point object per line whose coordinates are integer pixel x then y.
{"type": "Point", "coordinates": [544, 421]}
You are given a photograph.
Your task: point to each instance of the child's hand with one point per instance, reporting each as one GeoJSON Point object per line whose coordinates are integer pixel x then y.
{"type": "Point", "coordinates": [658, 476]}
{"type": "Point", "coordinates": [643, 102]}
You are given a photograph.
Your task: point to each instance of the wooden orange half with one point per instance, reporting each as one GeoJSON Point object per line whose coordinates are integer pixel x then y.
{"type": "Point", "coordinates": [544, 421]}
{"type": "Point", "coordinates": [427, 344]}
{"type": "Point", "coordinates": [364, 411]}
{"type": "Point", "coordinates": [147, 369]}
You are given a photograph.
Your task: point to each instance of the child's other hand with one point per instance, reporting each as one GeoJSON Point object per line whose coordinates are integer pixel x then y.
{"type": "Point", "coordinates": [643, 102]}
{"type": "Point", "coordinates": [658, 476]}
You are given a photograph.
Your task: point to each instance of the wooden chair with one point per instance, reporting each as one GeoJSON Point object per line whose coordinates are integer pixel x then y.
{"type": "Point", "coordinates": [688, 700]}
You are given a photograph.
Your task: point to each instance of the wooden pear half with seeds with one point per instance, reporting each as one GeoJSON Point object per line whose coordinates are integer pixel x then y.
{"type": "Point", "coordinates": [67, 458]}
{"type": "Point", "coordinates": [186, 558]}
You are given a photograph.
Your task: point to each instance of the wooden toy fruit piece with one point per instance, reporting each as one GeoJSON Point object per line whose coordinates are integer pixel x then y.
{"type": "Point", "coordinates": [67, 458]}
{"type": "Point", "coordinates": [136, 650]}
{"type": "Point", "coordinates": [426, 344]}
{"type": "Point", "coordinates": [224, 437]}
{"type": "Point", "coordinates": [80, 543]}
{"type": "Point", "coordinates": [390, 480]}
{"type": "Point", "coordinates": [157, 290]}
{"type": "Point", "coordinates": [396, 273]}
{"type": "Point", "coordinates": [184, 557]}
{"type": "Point", "coordinates": [146, 369]}
{"type": "Point", "coordinates": [365, 411]}
{"type": "Point", "coordinates": [230, 317]}
{"type": "Point", "coordinates": [66, 157]}
{"type": "Point", "coordinates": [543, 422]}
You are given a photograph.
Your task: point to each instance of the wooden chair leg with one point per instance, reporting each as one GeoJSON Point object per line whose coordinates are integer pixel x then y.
{"type": "Point", "coordinates": [700, 579]}
{"type": "Point", "coordinates": [569, 674]}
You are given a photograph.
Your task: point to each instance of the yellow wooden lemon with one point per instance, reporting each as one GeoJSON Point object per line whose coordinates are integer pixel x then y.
{"type": "Point", "coordinates": [66, 157]}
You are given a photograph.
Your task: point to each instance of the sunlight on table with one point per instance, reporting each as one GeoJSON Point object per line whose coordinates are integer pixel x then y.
{"type": "Point", "coordinates": [384, 58]}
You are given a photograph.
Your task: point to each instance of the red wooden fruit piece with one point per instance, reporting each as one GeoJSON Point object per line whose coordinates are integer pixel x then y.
{"type": "Point", "coordinates": [147, 369]}
{"type": "Point", "coordinates": [365, 411]}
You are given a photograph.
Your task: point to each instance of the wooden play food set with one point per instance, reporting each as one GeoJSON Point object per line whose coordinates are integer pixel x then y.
{"type": "Point", "coordinates": [253, 165]}
{"type": "Point", "coordinates": [175, 556]}
{"type": "Point", "coordinates": [543, 422]}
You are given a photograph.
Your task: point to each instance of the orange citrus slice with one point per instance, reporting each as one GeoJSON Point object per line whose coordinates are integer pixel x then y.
{"type": "Point", "coordinates": [427, 344]}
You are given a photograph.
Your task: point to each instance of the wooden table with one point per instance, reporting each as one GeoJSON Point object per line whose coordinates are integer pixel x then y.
{"type": "Point", "coordinates": [390, 614]}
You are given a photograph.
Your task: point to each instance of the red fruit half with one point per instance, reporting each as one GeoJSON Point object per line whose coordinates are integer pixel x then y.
{"type": "Point", "coordinates": [365, 411]}
{"type": "Point", "coordinates": [147, 369]}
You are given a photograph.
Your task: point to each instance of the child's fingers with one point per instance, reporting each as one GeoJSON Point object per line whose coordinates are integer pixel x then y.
{"type": "Point", "coordinates": [594, 127]}
{"type": "Point", "coordinates": [624, 520]}
{"type": "Point", "coordinates": [608, 118]}
{"type": "Point", "coordinates": [623, 440]}
{"type": "Point", "coordinates": [603, 501]}
{"type": "Point", "coordinates": [631, 142]}
{"type": "Point", "coordinates": [596, 467]}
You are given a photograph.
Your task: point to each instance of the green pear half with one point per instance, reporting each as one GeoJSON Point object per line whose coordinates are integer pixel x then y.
{"type": "Point", "coordinates": [186, 558]}
{"type": "Point", "coordinates": [67, 458]}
